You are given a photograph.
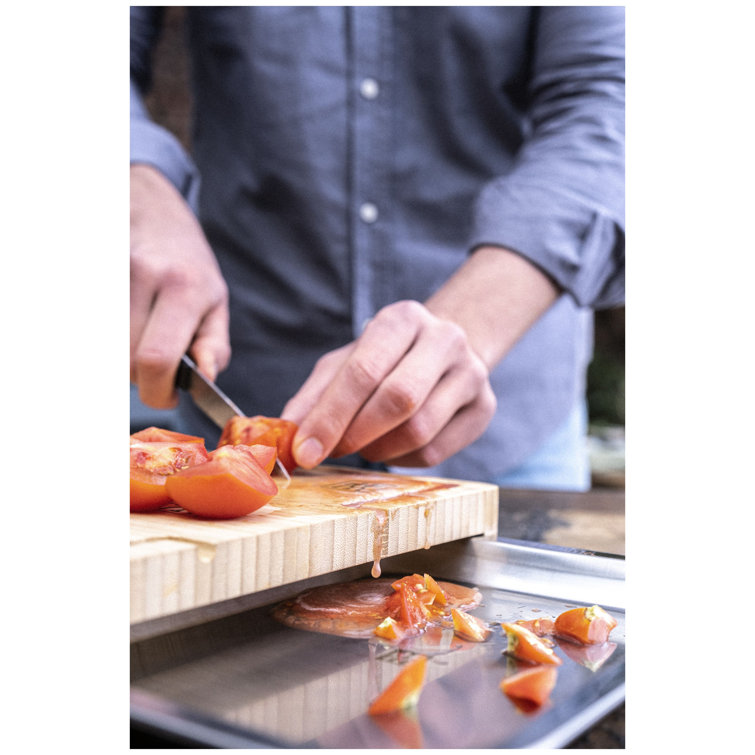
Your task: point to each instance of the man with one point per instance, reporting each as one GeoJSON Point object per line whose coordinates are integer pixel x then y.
{"type": "Point", "coordinates": [405, 218]}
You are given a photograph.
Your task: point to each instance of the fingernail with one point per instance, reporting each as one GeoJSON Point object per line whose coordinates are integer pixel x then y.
{"type": "Point", "coordinates": [309, 453]}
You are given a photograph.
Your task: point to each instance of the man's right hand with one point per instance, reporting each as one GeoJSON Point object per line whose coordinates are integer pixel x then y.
{"type": "Point", "coordinates": [179, 300]}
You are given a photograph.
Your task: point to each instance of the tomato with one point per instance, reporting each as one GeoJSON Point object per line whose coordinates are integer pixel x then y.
{"type": "Point", "coordinates": [527, 646]}
{"type": "Point", "coordinates": [403, 691]}
{"type": "Point", "coordinates": [413, 581]}
{"type": "Point", "coordinates": [152, 463]}
{"type": "Point", "coordinates": [533, 684]}
{"type": "Point", "coordinates": [267, 431]}
{"type": "Point", "coordinates": [158, 434]}
{"type": "Point", "coordinates": [230, 484]}
{"type": "Point", "coordinates": [265, 455]}
{"type": "Point", "coordinates": [540, 627]}
{"type": "Point", "coordinates": [588, 626]}
{"type": "Point", "coordinates": [389, 629]}
{"type": "Point", "coordinates": [469, 627]}
{"type": "Point", "coordinates": [412, 613]}
{"type": "Point", "coordinates": [436, 590]}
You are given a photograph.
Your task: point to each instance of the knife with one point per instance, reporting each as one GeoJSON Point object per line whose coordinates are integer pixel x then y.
{"type": "Point", "coordinates": [210, 399]}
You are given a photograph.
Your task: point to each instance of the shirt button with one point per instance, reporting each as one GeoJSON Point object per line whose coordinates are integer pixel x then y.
{"type": "Point", "coordinates": [369, 89]}
{"type": "Point", "coordinates": [368, 212]}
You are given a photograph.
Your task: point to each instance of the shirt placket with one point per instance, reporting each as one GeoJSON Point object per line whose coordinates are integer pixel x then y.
{"type": "Point", "coordinates": [369, 198]}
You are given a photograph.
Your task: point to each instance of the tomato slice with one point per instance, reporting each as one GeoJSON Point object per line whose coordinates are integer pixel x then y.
{"type": "Point", "coordinates": [469, 627]}
{"type": "Point", "coordinates": [264, 455]}
{"type": "Point", "coordinates": [527, 646]}
{"type": "Point", "coordinates": [158, 434]}
{"type": "Point", "coordinates": [588, 626]}
{"type": "Point", "coordinates": [403, 691]}
{"type": "Point", "coordinates": [533, 684]}
{"type": "Point", "coordinates": [231, 484]}
{"type": "Point", "coordinates": [150, 466]}
{"type": "Point", "coordinates": [267, 431]}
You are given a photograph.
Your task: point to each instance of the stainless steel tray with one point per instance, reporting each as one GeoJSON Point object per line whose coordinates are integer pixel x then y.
{"type": "Point", "coordinates": [243, 680]}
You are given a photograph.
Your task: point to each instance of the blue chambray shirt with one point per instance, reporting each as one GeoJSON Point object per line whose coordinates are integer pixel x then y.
{"type": "Point", "coordinates": [354, 156]}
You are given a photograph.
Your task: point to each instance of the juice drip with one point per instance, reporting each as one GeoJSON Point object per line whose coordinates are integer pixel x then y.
{"type": "Point", "coordinates": [378, 539]}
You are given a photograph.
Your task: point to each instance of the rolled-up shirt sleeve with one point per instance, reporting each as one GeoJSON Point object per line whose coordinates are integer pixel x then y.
{"type": "Point", "coordinates": [562, 204]}
{"type": "Point", "coordinates": [151, 143]}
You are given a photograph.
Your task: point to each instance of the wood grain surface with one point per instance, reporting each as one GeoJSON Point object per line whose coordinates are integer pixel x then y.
{"type": "Point", "coordinates": [328, 519]}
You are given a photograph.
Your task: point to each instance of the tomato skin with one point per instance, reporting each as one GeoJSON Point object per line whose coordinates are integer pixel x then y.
{"type": "Point", "coordinates": [147, 491]}
{"type": "Point", "coordinates": [159, 434]}
{"type": "Point", "coordinates": [267, 431]}
{"type": "Point", "coordinates": [588, 626]}
{"type": "Point", "coordinates": [231, 484]}
{"type": "Point", "coordinates": [469, 627]}
{"type": "Point", "coordinates": [403, 691]}
{"type": "Point", "coordinates": [533, 684]}
{"type": "Point", "coordinates": [541, 627]}
{"type": "Point", "coordinates": [527, 646]}
{"type": "Point", "coordinates": [264, 455]}
{"type": "Point", "coordinates": [151, 463]}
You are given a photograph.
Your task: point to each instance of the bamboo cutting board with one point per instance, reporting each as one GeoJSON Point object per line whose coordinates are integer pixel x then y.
{"type": "Point", "coordinates": [327, 519]}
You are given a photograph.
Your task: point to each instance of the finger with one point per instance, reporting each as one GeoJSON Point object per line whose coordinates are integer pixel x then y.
{"type": "Point", "coordinates": [308, 395]}
{"type": "Point", "coordinates": [460, 390]}
{"type": "Point", "coordinates": [463, 428]}
{"type": "Point", "coordinates": [141, 298]}
{"type": "Point", "coordinates": [165, 338]}
{"type": "Point", "coordinates": [211, 347]}
{"type": "Point", "coordinates": [436, 352]}
{"type": "Point", "coordinates": [380, 347]}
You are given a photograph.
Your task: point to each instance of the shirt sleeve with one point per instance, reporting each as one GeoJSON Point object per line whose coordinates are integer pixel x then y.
{"type": "Point", "coordinates": [562, 204]}
{"type": "Point", "coordinates": [151, 143]}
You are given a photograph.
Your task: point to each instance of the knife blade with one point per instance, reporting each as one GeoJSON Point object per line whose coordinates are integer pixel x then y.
{"type": "Point", "coordinates": [210, 399]}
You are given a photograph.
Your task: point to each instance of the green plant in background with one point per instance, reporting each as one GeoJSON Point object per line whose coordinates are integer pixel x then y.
{"type": "Point", "coordinates": [606, 374]}
{"type": "Point", "coordinates": [605, 390]}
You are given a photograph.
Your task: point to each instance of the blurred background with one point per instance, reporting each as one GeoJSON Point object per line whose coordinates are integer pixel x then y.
{"type": "Point", "coordinates": [169, 103]}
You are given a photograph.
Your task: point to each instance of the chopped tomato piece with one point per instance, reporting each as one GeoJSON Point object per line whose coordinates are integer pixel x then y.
{"type": "Point", "coordinates": [159, 434]}
{"type": "Point", "coordinates": [527, 646]}
{"type": "Point", "coordinates": [230, 484]}
{"type": "Point", "coordinates": [403, 691]}
{"type": "Point", "coordinates": [588, 626]}
{"type": "Point", "coordinates": [413, 581]}
{"type": "Point", "coordinates": [435, 589]}
{"type": "Point", "coordinates": [540, 627]}
{"type": "Point", "coordinates": [266, 431]}
{"type": "Point", "coordinates": [265, 455]}
{"type": "Point", "coordinates": [533, 684]}
{"type": "Point", "coordinates": [389, 629]}
{"type": "Point", "coordinates": [469, 627]}
{"type": "Point", "coordinates": [152, 463]}
{"type": "Point", "coordinates": [413, 615]}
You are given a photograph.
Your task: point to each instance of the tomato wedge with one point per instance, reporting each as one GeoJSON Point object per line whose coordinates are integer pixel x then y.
{"type": "Point", "coordinates": [527, 646]}
{"type": "Point", "coordinates": [230, 484]}
{"type": "Point", "coordinates": [267, 431]}
{"type": "Point", "coordinates": [403, 691]}
{"type": "Point", "coordinates": [152, 463]}
{"type": "Point", "coordinates": [412, 614]}
{"type": "Point", "coordinates": [469, 627]}
{"type": "Point", "coordinates": [588, 626]}
{"type": "Point", "coordinates": [533, 684]}
{"type": "Point", "coordinates": [159, 434]}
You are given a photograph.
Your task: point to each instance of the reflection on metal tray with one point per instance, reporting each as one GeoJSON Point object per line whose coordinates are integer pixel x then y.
{"type": "Point", "coordinates": [244, 680]}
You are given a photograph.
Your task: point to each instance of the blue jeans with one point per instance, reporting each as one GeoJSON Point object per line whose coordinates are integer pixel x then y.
{"type": "Point", "coordinates": [561, 463]}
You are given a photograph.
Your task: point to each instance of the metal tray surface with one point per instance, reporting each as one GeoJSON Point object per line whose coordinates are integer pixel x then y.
{"type": "Point", "coordinates": [244, 680]}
